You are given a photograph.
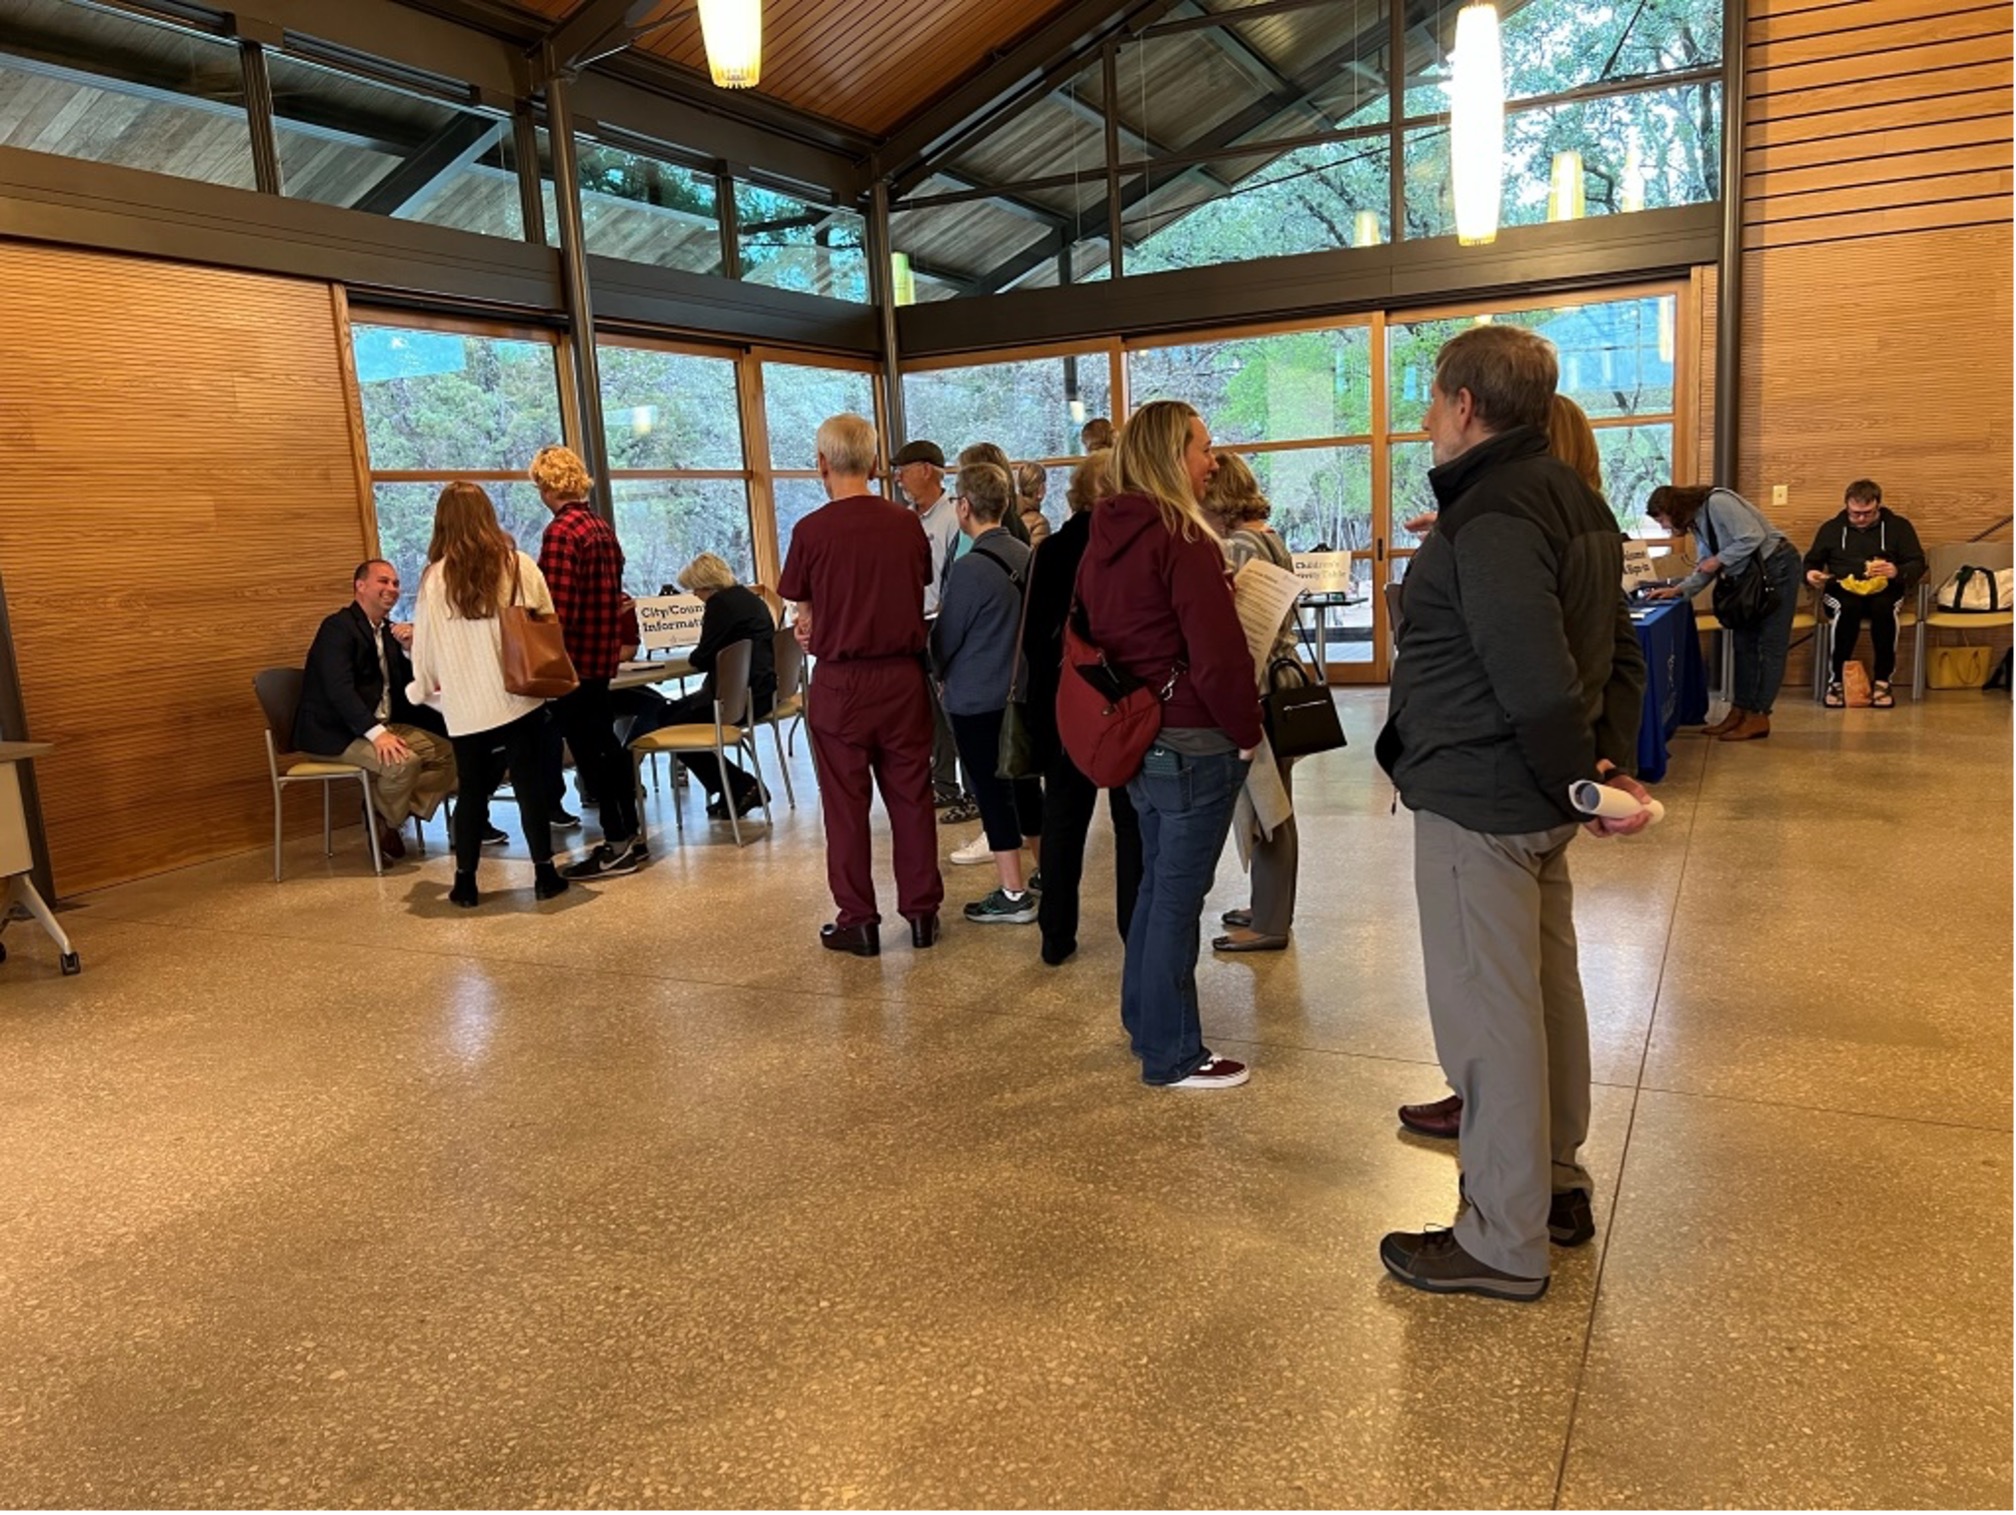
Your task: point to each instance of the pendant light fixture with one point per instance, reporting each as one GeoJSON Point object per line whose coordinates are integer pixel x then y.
{"type": "Point", "coordinates": [733, 33]}
{"type": "Point", "coordinates": [1365, 229]}
{"type": "Point", "coordinates": [902, 279]}
{"type": "Point", "coordinates": [1477, 123]}
{"type": "Point", "coordinates": [1631, 191]}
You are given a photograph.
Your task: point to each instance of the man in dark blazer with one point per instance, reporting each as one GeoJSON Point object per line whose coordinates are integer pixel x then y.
{"type": "Point", "coordinates": [354, 707]}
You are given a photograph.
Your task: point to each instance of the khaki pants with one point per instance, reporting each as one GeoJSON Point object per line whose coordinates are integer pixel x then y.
{"type": "Point", "coordinates": [1511, 1029]}
{"type": "Point", "coordinates": [414, 787]}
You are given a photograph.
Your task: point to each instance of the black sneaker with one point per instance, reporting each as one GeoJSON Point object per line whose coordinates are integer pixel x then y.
{"type": "Point", "coordinates": [1569, 1221]}
{"type": "Point", "coordinates": [562, 820]}
{"type": "Point", "coordinates": [1002, 909]}
{"type": "Point", "coordinates": [1434, 1261]}
{"type": "Point", "coordinates": [958, 813]}
{"type": "Point", "coordinates": [495, 836]}
{"type": "Point", "coordinates": [1036, 882]}
{"type": "Point", "coordinates": [608, 862]}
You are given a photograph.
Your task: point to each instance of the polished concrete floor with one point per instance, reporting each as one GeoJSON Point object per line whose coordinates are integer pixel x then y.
{"type": "Point", "coordinates": [327, 1193]}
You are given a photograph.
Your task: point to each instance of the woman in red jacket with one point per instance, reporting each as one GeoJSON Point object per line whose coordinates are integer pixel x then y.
{"type": "Point", "coordinates": [1158, 601]}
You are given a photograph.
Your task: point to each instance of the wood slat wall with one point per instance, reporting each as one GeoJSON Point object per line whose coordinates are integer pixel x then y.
{"type": "Point", "coordinates": [185, 512]}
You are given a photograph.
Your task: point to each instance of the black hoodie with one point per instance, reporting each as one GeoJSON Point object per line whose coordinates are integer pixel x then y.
{"type": "Point", "coordinates": [1842, 550]}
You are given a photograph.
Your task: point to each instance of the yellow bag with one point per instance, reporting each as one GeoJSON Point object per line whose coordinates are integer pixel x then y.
{"type": "Point", "coordinates": [1958, 667]}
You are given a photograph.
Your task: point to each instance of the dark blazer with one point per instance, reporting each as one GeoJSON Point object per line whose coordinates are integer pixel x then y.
{"type": "Point", "coordinates": [339, 696]}
{"type": "Point", "coordinates": [738, 614]}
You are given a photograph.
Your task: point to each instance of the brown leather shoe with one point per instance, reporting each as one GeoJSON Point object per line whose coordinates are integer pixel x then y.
{"type": "Point", "coordinates": [863, 940]}
{"type": "Point", "coordinates": [1441, 1120]}
{"type": "Point", "coordinates": [1729, 722]}
{"type": "Point", "coordinates": [1752, 728]}
{"type": "Point", "coordinates": [391, 845]}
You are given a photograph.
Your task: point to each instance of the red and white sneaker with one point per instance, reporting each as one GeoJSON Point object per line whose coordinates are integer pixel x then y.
{"type": "Point", "coordinates": [1214, 1073]}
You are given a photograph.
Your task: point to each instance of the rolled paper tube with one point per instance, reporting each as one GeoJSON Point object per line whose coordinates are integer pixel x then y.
{"type": "Point", "coordinates": [1611, 804]}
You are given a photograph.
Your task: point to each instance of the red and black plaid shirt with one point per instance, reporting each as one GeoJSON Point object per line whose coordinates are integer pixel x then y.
{"type": "Point", "coordinates": [583, 566]}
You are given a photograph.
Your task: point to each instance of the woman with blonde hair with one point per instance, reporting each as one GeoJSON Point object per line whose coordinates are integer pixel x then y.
{"type": "Point", "coordinates": [1158, 603]}
{"type": "Point", "coordinates": [732, 612]}
{"type": "Point", "coordinates": [1069, 797]}
{"type": "Point", "coordinates": [1032, 480]}
{"type": "Point", "coordinates": [473, 571]}
{"type": "Point", "coordinates": [1239, 511]}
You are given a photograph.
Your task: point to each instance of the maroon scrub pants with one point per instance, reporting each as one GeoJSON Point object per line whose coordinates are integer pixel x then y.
{"type": "Point", "coordinates": [872, 718]}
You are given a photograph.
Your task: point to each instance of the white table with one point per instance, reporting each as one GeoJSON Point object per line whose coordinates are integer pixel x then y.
{"type": "Point", "coordinates": [17, 857]}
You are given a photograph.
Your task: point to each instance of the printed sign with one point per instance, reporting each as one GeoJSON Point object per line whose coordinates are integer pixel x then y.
{"type": "Point", "coordinates": [1324, 572]}
{"type": "Point", "coordinates": [668, 620]}
{"type": "Point", "coordinates": [1637, 564]}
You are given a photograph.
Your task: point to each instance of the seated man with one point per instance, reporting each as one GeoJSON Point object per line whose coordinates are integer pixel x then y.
{"type": "Point", "coordinates": [1864, 562]}
{"type": "Point", "coordinates": [354, 707]}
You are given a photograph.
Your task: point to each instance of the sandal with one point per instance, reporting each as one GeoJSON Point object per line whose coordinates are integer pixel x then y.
{"type": "Point", "coordinates": [1252, 944]}
{"type": "Point", "coordinates": [1236, 918]}
{"type": "Point", "coordinates": [1880, 696]}
{"type": "Point", "coordinates": [1834, 698]}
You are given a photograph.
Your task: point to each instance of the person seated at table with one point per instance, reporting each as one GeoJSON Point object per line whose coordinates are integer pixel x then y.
{"type": "Point", "coordinates": [1864, 562]}
{"type": "Point", "coordinates": [973, 648]}
{"type": "Point", "coordinates": [1570, 438]}
{"type": "Point", "coordinates": [354, 707]}
{"type": "Point", "coordinates": [734, 613]}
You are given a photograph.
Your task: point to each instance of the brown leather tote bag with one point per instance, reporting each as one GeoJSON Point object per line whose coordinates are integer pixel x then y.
{"type": "Point", "coordinates": [533, 651]}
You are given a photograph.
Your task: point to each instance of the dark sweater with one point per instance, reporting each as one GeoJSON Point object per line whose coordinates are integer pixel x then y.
{"type": "Point", "coordinates": [738, 614]}
{"type": "Point", "coordinates": [1053, 576]}
{"type": "Point", "coordinates": [1841, 550]}
{"type": "Point", "coordinates": [1520, 667]}
{"type": "Point", "coordinates": [1154, 599]}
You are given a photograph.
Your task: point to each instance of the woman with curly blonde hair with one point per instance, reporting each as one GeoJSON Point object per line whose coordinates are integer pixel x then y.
{"type": "Point", "coordinates": [1032, 480]}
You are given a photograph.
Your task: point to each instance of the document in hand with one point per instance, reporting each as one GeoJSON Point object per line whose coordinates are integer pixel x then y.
{"type": "Point", "coordinates": [1263, 595]}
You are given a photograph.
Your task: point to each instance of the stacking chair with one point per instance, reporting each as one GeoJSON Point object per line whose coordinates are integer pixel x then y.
{"type": "Point", "coordinates": [1942, 562]}
{"type": "Point", "coordinates": [1823, 640]}
{"type": "Point", "coordinates": [790, 701]}
{"type": "Point", "coordinates": [730, 728]}
{"type": "Point", "coordinates": [279, 691]}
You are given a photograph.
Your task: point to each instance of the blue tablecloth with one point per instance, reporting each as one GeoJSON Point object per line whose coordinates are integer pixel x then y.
{"type": "Point", "coordinates": [1676, 682]}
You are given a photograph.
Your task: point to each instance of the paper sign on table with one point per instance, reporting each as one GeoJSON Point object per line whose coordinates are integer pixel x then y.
{"type": "Point", "coordinates": [669, 620]}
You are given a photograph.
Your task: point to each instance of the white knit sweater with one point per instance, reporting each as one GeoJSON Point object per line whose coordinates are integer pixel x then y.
{"type": "Point", "coordinates": [458, 665]}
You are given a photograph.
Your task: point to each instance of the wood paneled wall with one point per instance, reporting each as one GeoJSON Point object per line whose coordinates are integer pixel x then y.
{"type": "Point", "coordinates": [1876, 323]}
{"type": "Point", "coordinates": [184, 511]}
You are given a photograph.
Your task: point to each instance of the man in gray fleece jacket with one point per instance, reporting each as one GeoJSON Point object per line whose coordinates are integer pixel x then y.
{"type": "Point", "coordinates": [1519, 676]}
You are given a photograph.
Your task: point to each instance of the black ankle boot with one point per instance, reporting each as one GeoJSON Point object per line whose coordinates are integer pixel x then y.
{"type": "Point", "coordinates": [547, 882]}
{"type": "Point", "coordinates": [464, 893]}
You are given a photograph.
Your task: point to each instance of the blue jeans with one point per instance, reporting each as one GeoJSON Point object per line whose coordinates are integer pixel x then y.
{"type": "Point", "coordinates": [1185, 805]}
{"type": "Point", "coordinates": [1760, 650]}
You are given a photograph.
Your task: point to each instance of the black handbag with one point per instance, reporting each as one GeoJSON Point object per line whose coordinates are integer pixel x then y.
{"type": "Point", "coordinates": [1746, 598]}
{"type": "Point", "coordinates": [1012, 758]}
{"type": "Point", "coordinates": [1301, 717]}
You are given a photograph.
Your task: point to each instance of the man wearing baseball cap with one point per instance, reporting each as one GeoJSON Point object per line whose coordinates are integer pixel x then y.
{"type": "Point", "coordinates": [920, 474]}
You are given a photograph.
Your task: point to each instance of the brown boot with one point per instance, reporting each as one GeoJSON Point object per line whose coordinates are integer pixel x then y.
{"type": "Point", "coordinates": [1729, 722]}
{"type": "Point", "coordinates": [1749, 729]}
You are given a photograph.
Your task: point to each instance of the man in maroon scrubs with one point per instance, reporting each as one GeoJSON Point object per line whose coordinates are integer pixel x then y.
{"type": "Point", "coordinates": [857, 570]}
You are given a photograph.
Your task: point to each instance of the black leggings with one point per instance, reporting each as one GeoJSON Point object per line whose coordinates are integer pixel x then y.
{"type": "Point", "coordinates": [480, 760]}
{"type": "Point", "coordinates": [1851, 613]}
{"type": "Point", "coordinates": [1069, 799]}
{"type": "Point", "coordinates": [1010, 809]}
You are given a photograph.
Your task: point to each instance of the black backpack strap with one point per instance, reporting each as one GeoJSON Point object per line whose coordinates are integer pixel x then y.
{"type": "Point", "coordinates": [1014, 574]}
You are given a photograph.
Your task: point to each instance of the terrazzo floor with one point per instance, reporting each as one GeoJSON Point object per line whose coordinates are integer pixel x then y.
{"type": "Point", "coordinates": [326, 1193]}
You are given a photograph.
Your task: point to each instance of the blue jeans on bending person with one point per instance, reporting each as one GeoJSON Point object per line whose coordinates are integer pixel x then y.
{"type": "Point", "coordinates": [1761, 650]}
{"type": "Point", "coordinates": [1185, 802]}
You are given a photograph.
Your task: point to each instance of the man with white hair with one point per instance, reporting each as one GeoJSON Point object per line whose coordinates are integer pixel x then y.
{"type": "Point", "coordinates": [858, 570]}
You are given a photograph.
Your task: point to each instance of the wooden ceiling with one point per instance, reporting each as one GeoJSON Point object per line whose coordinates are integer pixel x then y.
{"type": "Point", "coordinates": [868, 64]}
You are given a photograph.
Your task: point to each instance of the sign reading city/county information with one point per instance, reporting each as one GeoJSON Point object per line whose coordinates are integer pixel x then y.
{"type": "Point", "coordinates": [669, 620]}
{"type": "Point", "coordinates": [1324, 572]}
{"type": "Point", "coordinates": [1637, 564]}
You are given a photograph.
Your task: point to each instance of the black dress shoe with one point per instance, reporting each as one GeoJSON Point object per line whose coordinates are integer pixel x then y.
{"type": "Point", "coordinates": [924, 930]}
{"type": "Point", "coordinates": [862, 941]}
{"type": "Point", "coordinates": [1442, 1120]}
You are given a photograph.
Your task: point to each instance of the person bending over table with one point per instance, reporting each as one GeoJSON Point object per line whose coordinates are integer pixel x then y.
{"type": "Point", "coordinates": [734, 613]}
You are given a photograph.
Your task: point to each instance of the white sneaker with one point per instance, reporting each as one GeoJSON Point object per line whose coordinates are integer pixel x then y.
{"type": "Point", "coordinates": [975, 851]}
{"type": "Point", "coordinates": [1214, 1073]}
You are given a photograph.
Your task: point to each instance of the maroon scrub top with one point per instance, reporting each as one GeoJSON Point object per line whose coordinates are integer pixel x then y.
{"type": "Point", "coordinates": [862, 564]}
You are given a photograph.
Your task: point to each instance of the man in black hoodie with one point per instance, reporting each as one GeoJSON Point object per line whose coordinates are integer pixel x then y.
{"type": "Point", "coordinates": [1864, 562]}
{"type": "Point", "coordinates": [1522, 677]}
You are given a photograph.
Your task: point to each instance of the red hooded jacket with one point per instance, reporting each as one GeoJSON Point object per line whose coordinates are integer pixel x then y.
{"type": "Point", "coordinates": [1153, 600]}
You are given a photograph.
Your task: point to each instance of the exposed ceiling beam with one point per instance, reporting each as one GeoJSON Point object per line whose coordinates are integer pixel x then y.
{"type": "Point", "coordinates": [1015, 79]}
{"type": "Point", "coordinates": [1309, 79]}
{"type": "Point", "coordinates": [1242, 55]}
{"type": "Point", "coordinates": [1034, 210]}
{"type": "Point", "coordinates": [1148, 145]}
{"type": "Point", "coordinates": [594, 31]}
{"type": "Point", "coordinates": [453, 149]}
